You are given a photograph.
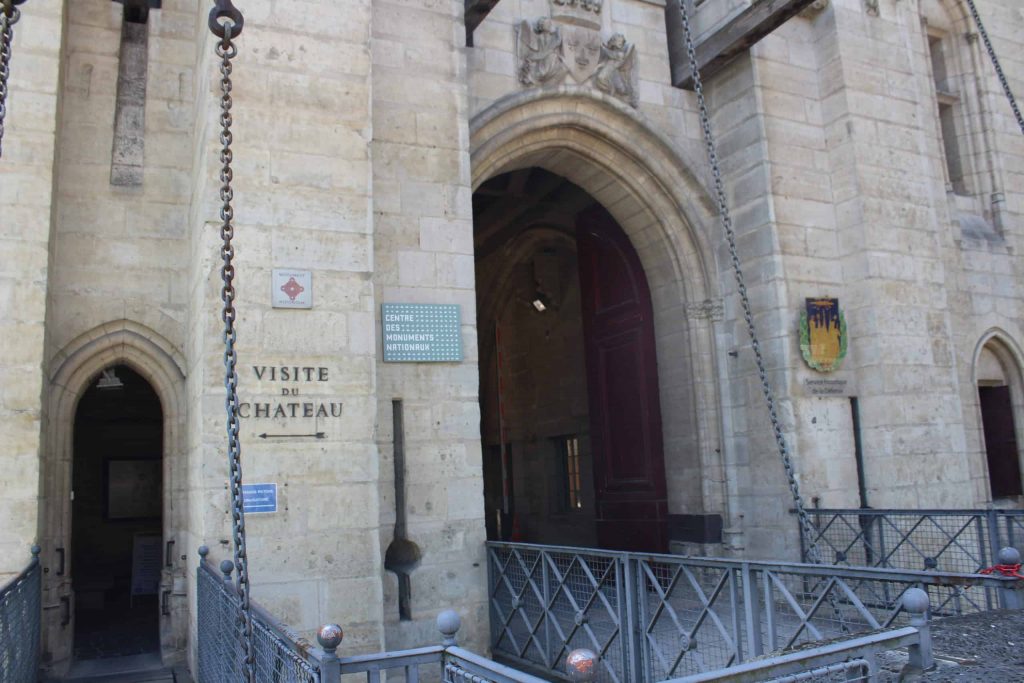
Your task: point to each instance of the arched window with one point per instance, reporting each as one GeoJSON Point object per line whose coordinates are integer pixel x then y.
{"type": "Point", "coordinates": [948, 79]}
{"type": "Point", "coordinates": [999, 397]}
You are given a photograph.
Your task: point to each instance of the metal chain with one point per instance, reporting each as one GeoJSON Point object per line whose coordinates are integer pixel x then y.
{"type": "Point", "coordinates": [227, 51]}
{"type": "Point", "coordinates": [730, 234]}
{"type": "Point", "coordinates": [995, 62]}
{"type": "Point", "coordinates": [7, 22]}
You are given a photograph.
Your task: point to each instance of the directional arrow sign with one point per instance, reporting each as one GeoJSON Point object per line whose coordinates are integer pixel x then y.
{"type": "Point", "coordinates": [317, 435]}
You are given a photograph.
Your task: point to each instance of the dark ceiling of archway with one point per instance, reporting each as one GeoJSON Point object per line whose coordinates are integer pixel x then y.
{"type": "Point", "coordinates": [513, 202]}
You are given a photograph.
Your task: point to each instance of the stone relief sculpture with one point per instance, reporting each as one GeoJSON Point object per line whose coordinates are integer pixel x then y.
{"type": "Point", "coordinates": [540, 48]}
{"type": "Point", "coordinates": [568, 45]}
{"type": "Point", "coordinates": [616, 73]}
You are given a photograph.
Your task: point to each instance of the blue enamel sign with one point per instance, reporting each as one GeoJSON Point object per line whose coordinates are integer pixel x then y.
{"type": "Point", "coordinates": [259, 498]}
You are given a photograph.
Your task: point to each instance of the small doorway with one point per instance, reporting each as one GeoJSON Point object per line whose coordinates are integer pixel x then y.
{"type": "Point", "coordinates": [571, 417]}
{"type": "Point", "coordinates": [117, 518]}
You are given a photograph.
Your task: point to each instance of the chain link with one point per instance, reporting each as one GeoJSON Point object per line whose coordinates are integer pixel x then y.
{"type": "Point", "coordinates": [723, 210]}
{"type": "Point", "coordinates": [227, 51]}
{"type": "Point", "coordinates": [6, 38]}
{"type": "Point", "coordinates": [995, 62]}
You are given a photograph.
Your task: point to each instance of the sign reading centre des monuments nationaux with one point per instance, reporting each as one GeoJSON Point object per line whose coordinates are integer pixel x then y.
{"type": "Point", "coordinates": [421, 333]}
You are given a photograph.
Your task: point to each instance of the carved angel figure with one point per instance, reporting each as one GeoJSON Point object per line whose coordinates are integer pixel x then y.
{"type": "Point", "coordinates": [616, 73]}
{"type": "Point", "coordinates": [540, 53]}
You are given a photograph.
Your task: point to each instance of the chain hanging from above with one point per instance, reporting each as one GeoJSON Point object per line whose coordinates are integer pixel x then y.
{"type": "Point", "coordinates": [226, 23]}
{"type": "Point", "coordinates": [9, 16]}
{"type": "Point", "coordinates": [995, 62]}
{"type": "Point", "coordinates": [814, 554]}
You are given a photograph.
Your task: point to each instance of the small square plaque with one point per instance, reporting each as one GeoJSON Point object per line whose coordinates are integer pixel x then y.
{"type": "Point", "coordinates": [291, 288]}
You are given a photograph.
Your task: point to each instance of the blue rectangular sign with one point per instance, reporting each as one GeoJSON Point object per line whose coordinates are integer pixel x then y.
{"type": "Point", "coordinates": [259, 498]}
{"type": "Point", "coordinates": [417, 333]}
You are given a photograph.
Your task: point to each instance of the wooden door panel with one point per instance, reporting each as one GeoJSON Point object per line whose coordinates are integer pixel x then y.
{"type": "Point", "coordinates": [622, 387]}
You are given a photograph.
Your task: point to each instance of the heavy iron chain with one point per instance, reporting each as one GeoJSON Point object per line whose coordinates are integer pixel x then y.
{"type": "Point", "coordinates": [9, 15]}
{"type": "Point", "coordinates": [995, 62]}
{"type": "Point", "coordinates": [730, 234]}
{"type": "Point", "coordinates": [227, 51]}
{"type": "Point", "coordinates": [807, 529]}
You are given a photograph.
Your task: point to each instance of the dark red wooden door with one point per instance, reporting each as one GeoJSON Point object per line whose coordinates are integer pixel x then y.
{"type": "Point", "coordinates": [622, 386]}
{"type": "Point", "coordinates": [1000, 441]}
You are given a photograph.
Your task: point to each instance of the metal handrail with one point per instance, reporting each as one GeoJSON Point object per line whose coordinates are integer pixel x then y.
{"type": "Point", "coordinates": [809, 659]}
{"type": "Point", "coordinates": [929, 578]}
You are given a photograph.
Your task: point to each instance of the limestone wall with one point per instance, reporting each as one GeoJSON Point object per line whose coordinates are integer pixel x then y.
{"type": "Point", "coordinates": [27, 198]}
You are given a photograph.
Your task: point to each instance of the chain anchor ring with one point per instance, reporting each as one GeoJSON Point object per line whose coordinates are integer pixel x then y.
{"type": "Point", "coordinates": [225, 30]}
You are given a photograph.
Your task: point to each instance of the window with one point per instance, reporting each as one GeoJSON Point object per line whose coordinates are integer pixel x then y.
{"type": "Point", "coordinates": [570, 478]}
{"type": "Point", "coordinates": [949, 107]}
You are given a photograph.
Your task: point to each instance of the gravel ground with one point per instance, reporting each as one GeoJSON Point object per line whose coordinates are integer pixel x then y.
{"type": "Point", "coordinates": [987, 647]}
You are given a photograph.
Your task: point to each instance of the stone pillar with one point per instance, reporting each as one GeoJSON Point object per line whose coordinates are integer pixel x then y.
{"type": "Point", "coordinates": [424, 254]}
{"type": "Point", "coordinates": [26, 198]}
{"type": "Point", "coordinates": [302, 197]}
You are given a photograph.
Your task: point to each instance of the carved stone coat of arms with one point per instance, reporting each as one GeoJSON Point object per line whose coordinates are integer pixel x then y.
{"type": "Point", "coordinates": [568, 46]}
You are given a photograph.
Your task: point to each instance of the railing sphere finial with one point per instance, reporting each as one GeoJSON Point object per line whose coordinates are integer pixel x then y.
{"type": "Point", "coordinates": [915, 601]}
{"type": "Point", "coordinates": [448, 623]}
{"type": "Point", "coordinates": [581, 665]}
{"type": "Point", "coordinates": [1009, 555]}
{"type": "Point", "coordinates": [330, 636]}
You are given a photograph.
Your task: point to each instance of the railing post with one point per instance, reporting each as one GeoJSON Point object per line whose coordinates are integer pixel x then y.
{"type": "Point", "coordinates": [581, 666]}
{"type": "Point", "coordinates": [752, 610]}
{"type": "Point", "coordinates": [330, 636]}
{"type": "Point", "coordinates": [1008, 597]}
{"type": "Point", "coordinates": [448, 623]}
{"type": "Point", "coordinates": [630, 618]}
{"type": "Point", "coordinates": [994, 544]}
{"type": "Point", "coordinates": [915, 602]}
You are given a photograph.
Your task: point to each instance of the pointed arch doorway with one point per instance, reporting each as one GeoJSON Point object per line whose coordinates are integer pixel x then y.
{"type": "Point", "coordinates": [569, 381]}
{"type": "Point", "coordinates": [117, 551]}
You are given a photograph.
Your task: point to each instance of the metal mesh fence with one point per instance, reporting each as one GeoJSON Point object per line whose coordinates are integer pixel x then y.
{"type": "Point", "coordinates": [20, 605]}
{"type": "Point", "coordinates": [658, 617]}
{"type": "Point", "coordinates": [547, 602]}
{"type": "Point", "coordinates": [220, 647]}
{"type": "Point", "coordinates": [689, 617]}
{"type": "Point", "coordinates": [961, 541]}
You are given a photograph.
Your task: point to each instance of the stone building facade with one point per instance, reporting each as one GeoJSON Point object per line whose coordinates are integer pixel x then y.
{"type": "Point", "coordinates": [869, 156]}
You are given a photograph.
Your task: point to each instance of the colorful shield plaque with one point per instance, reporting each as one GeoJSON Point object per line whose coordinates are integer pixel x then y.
{"type": "Point", "coordinates": [823, 334]}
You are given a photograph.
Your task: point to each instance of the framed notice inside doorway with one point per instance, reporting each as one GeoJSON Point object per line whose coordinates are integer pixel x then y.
{"type": "Point", "coordinates": [133, 489]}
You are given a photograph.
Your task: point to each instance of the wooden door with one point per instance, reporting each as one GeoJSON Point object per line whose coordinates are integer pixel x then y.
{"type": "Point", "coordinates": [622, 386]}
{"type": "Point", "coordinates": [1000, 441]}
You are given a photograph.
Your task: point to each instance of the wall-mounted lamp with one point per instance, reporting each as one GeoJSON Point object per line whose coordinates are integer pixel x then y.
{"type": "Point", "coordinates": [108, 380]}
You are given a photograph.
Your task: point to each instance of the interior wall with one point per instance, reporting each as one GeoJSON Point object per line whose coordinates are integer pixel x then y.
{"type": "Point", "coordinates": [544, 386]}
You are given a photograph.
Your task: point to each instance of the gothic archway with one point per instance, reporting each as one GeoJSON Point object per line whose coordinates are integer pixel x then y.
{"type": "Point", "coordinates": [641, 179]}
{"type": "Point", "coordinates": [73, 370]}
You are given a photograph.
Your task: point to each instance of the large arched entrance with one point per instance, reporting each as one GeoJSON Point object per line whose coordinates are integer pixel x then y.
{"type": "Point", "coordinates": [117, 517]}
{"type": "Point", "coordinates": [597, 152]}
{"type": "Point", "coordinates": [570, 402]}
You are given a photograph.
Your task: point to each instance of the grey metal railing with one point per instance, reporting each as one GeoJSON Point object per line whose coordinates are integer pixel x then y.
{"type": "Point", "coordinates": [20, 611]}
{"type": "Point", "coordinates": [658, 617]}
{"type": "Point", "coordinates": [945, 540]}
{"type": "Point", "coordinates": [281, 656]}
